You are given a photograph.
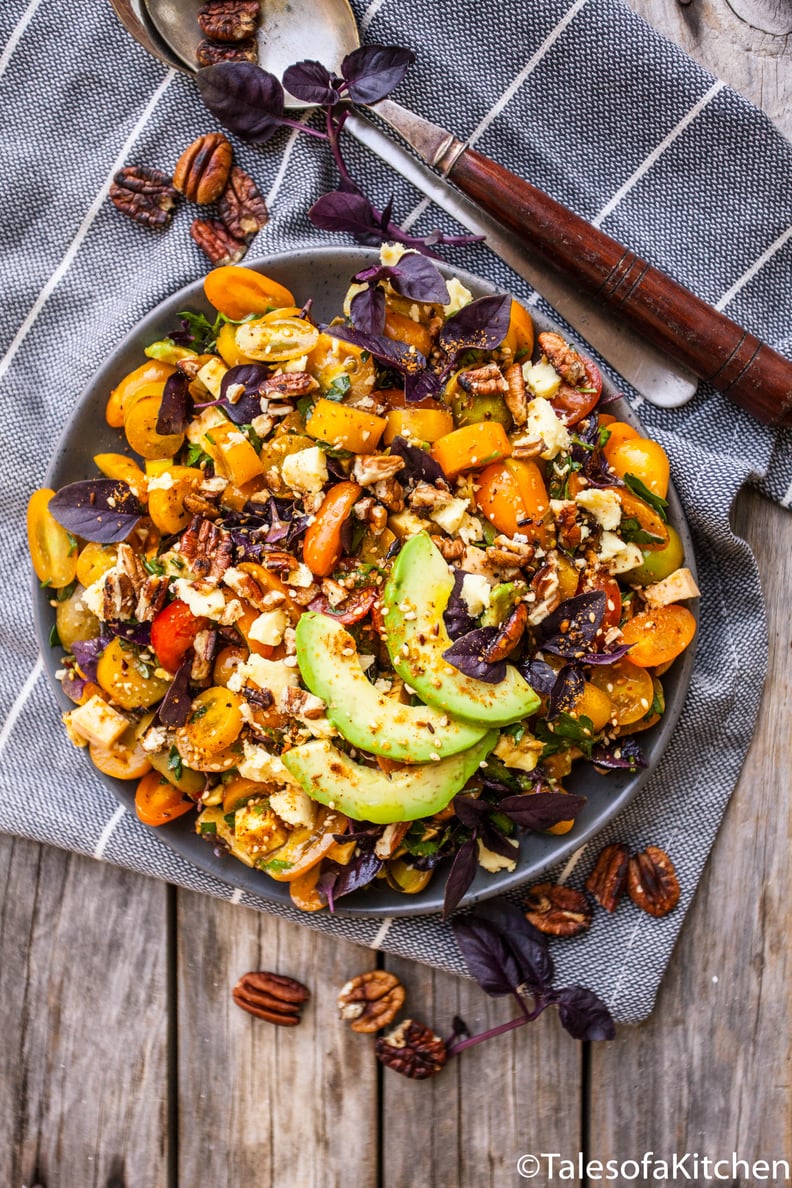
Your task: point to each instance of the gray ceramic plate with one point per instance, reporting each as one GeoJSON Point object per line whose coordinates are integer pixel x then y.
{"type": "Point", "coordinates": [323, 274]}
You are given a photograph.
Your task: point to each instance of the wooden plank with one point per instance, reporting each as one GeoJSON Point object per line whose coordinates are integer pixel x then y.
{"type": "Point", "coordinates": [514, 1095]}
{"type": "Point", "coordinates": [710, 1071]}
{"type": "Point", "coordinates": [83, 991]}
{"type": "Point", "coordinates": [260, 1104]}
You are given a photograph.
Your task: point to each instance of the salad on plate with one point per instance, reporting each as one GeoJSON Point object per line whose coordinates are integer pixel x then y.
{"type": "Point", "coordinates": [358, 596]}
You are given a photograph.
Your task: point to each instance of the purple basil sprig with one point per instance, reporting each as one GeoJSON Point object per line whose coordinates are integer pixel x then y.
{"type": "Point", "coordinates": [175, 705]}
{"type": "Point", "coordinates": [419, 465]}
{"type": "Point", "coordinates": [174, 411]}
{"type": "Point", "coordinates": [620, 753]}
{"type": "Point", "coordinates": [250, 376]}
{"type": "Point", "coordinates": [419, 381]}
{"type": "Point", "coordinates": [467, 654]}
{"type": "Point", "coordinates": [456, 616]}
{"type": "Point", "coordinates": [570, 630]}
{"type": "Point", "coordinates": [508, 956]}
{"type": "Point", "coordinates": [480, 325]}
{"type": "Point", "coordinates": [101, 510]}
{"type": "Point", "coordinates": [87, 652]}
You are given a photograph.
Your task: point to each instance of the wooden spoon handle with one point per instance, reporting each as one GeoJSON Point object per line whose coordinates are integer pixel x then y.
{"type": "Point", "coordinates": [745, 369]}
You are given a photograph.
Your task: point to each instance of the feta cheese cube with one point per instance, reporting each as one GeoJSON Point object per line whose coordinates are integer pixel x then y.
{"type": "Point", "coordinates": [269, 627]}
{"type": "Point", "coordinates": [458, 296]}
{"type": "Point", "coordinates": [265, 674]}
{"type": "Point", "coordinates": [542, 423]}
{"type": "Point", "coordinates": [451, 515]}
{"type": "Point", "coordinates": [603, 505]}
{"type": "Point", "coordinates": [211, 376]}
{"type": "Point", "coordinates": [293, 806]}
{"type": "Point", "coordinates": [542, 378]}
{"type": "Point", "coordinates": [97, 722]}
{"type": "Point", "coordinates": [306, 470]}
{"type": "Point", "coordinates": [475, 593]}
{"type": "Point", "coordinates": [617, 555]}
{"type": "Point", "coordinates": [678, 586]}
{"type": "Point", "coordinates": [205, 602]}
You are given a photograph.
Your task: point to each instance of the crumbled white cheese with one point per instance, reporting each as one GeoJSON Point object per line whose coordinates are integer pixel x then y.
{"type": "Point", "coordinates": [266, 674]}
{"type": "Point", "coordinates": [470, 529]}
{"type": "Point", "coordinates": [405, 524]}
{"type": "Point", "coordinates": [293, 806]}
{"type": "Point", "coordinates": [97, 722]}
{"type": "Point", "coordinates": [617, 555]}
{"type": "Point", "coordinates": [258, 764]}
{"type": "Point", "coordinates": [542, 378]}
{"type": "Point", "coordinates": [524, 755]}
{"type": "Point", "coordinates": [391, 253]}
{"type": "Point", "coordinates": [207, 420]}
{"type": "Point", "coordinates": [269, 627]}
{"type": "Point", "coordinates": [207, 603]}
{"type": "Point", "coordinates": [451, 515]}
{"type": "Point", "coordinates": [458, 296]}
{"type": "Point", "coordinates": [494, 862]}
{"type": "Point", "coordinates": [603, 504]}
{"type": "Point", "coordinates": [306, 470]}
{"type": "Point", "coordinates": [678, 586]}
{"type": "Point", "coordinates": [366, 661]}
{"type": "Point", "coordinates": [475, 593]}
{"type": "Point", "coordinates": [93, 596]}
{"type": "Point", "coordinates": [262, 425]}
{"type": "Point", "coordinates": [542, 422]}
{"type": "Point", "coordinates": [154, 740]}
{"type": "Point", "coordinates": [161, 482]}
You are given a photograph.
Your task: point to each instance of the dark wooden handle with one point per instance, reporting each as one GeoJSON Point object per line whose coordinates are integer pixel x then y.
{"type": "Point", "coordinates": [714, 347]}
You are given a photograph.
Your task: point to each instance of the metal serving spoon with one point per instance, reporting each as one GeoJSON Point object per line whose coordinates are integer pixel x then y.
{"type": "Point", "coordinates": [682, 326]}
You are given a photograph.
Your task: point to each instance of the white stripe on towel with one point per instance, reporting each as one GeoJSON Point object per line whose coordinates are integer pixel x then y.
{"type": "Point", "coordinates": [19, 704]}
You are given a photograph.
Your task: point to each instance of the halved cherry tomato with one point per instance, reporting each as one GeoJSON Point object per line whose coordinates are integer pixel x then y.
{"type": "Point", "coordinates": [307, 845]}
{"type": "Point", "coordinates": [643, 458]}
{"type": "Point", "coordinates": [157, 802]}
{"type": "Point", "coordinates": [153, 371]}
{"type": "Point", "coordinates": [214, 721]}
{"type": "Point", "coordinates": [572, 404]}
{"type": "Point", "coordinates": [352, 609]}
{"type": "Point", "coordinates": [303, 892]}
{"type": "Point", "coordinates": [237, 291]}
{"type": "Point", "coordinates": [53, 550]}
{"type": "Point", "coordinates": [619, 432]}
{"type": "Point", "coordinates": [658, 636]}
{"type": "Point", "coordinates": [276, 340]}
{"type": "Point", "coordinates": [173, 632]}
{"type": "Point", "coordinates": [513, 497]}
{"type": "Point", "coordinates": [629, 688]}
{"type": "Point", "coordinates": [322, 542]}
{"type": "Point", "coordinates": [520, 335]}
{"type": "Point", "coordinates": [421, 424]}
{"type": "Point", "coordinates": [402, 328]}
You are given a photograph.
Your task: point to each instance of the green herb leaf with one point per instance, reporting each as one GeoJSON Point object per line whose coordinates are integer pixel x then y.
{"type": "Point", "coordinates": [196, 456]}
{"type": "Point", "coordinates": [565, 731]}
{"type": "Point", "coordinates": [54, 638]}
{"type": "Point", "coordinates": [253, 437]}
{"type": "Point", "coordinates": [631, 531]}
{"type": "Point", "coordinates": [642, 491]}
{"type": "Point", "coordinates": [339, 388]}
{"type": "Point", "coordinates": [207, 827]}
{"type": "Point", "coordinates": [153, 565]}
{"type": "Point", "coordinates": [175, 763]}
{"type": "Point", "coordinates": [65, 592]}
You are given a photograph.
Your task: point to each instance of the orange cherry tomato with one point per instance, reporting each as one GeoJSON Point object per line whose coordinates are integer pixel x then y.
{"type": "Point", "coordinates": [572, 404]}
{"type": "Point", "coordinates": [173, 632]}
{"type": "Point", "coordinates": [154, 371]}
{"type": "Point", "coordinates": [322, 543]}
{"type": "Point", "coordinates": [520, 335]}
{"type": "Point", "coordinates": [659, 636]}
{"type": "Point", "coordinates": [237, 291]}
{"type": "Point", "coordinates": [401, 328]}
{"type": "Point", "coordinates": [303, 892]}
{"type": "Point", "coordinates": [619, 432]}
{"type": "Point", "coordinates": [157, 802]}
{"type": "Point", "coordinates": [628, 686]}
{"type": "Point", "coordinates": [513, 497]}
{"type": "Point", "coordinates": [643, 458]}
{"type": "Point", "coordinates": [307, 846]}
{"type": "Point", "coordinates": [53, 550]}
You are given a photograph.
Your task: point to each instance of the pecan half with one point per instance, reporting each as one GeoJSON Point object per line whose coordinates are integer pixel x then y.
{"type": "Point", "coordinates": [370, 469]}
{"type": "Point", "coordinates": [229, 20]}
{"type": "Point", "coordinates": [652, 883]}
{"type": "Point", "coordinates": [505, 553]}
{"type": "Point", "coordinates": [516, 398]}
{"type": "Point", "coordinates": [209, 53]}
{"type": "Point", "coordinates": [484, 381]}
{"type": "Point", "coordinates": [509, 635]}
{"type": "Point", "coordinates": [608, 879]}
{"type": "Point", "coordinates": [371, 1001]}
{"type": "Point", "coordinates": [568, 528]}
{"type": "Point", "coordinates": [201, 172]}
{"type": "Point", "coordinates": [558, 911]}
{"type": "Point", "coordinates": [216, 243]}
{"type": "Point", "coordinates": [544, 594]}
{"type": "Point", "coordinates": [198, 506]}
{"type": "Point", "coordinates": [450, 550]}
{"type": "Point", "coordinates": [145, 195]}
{"type": "Point", "coordinates": [271, 996]}
{"type": "Point", "coordinates": [288, 384]}
{"type": "Point", "coordinates": [241, 206]}
{"type": "Point", "coordinates": [413, 1050]}
{"type": "Point", "coordinates": [563, 357]}
{"type": "Point", "coordinates": [206, 548]}
{"type": "Point", "coordinates": [151, 598]}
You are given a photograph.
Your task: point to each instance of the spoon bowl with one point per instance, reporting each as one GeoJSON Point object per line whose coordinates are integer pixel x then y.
{"type": "Point", "coordinates": [290, 31]}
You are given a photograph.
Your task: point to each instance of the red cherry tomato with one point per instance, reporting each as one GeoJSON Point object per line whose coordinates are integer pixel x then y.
{"type": "Point", "coordinates": [572, 404]}
{"type": "Point", "coordinates": [613, 602]}
{"type": "Point", "coordinates": [352, 609]}
{"type": "Point", "coordinates": [173, 632]}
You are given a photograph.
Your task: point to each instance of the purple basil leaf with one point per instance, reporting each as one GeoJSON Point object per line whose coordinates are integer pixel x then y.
{"type": "Point", "coordinates": [541, 810]}
{"type": "Point", "coordinates": [246, 99]}
{"type": "Point", "coordinates": [174, 411]}
{"type": "Point", "coordinates": [372, 71]}
{"type": "Point", "coordinates": [540, 676]}
{"type": "Point", "coordinates": [367, 310]}
{"type": "Point", "coordinates": [419, 464]}
{"type": "Point", "coordinates": [345, 211]}
{"type": "Point", "coordinates": [138, 633]}
{"type": "Point", "coordinates": [102, 510]}
{"type": "Point", "coordinates": [417, 278]}
{"type": "Point", "coordinates": [481, 325]}
{"type": "Point", "coordinates": [584, 1015]}
{"type": "Point", "coordinates": [528, 945]}
{"type": "Point", "coordinates": [488, 955]}
{"type": "Point", "coordinates": [396, 355]}
{"type": "Point", "coordinates": [621, 753]}
{"type": "Point", "coordinates": [337, 880]}
{"type": "Point", "coordinates": [456, 616]}
{"type": "Point", "coordinates": [567, 691]}
{"type": "Point", "coordinates": [312, 82]}
{"type": "Point", "coordinates": [175, 704]}
{"type": "Point", "coordinates": [611, 657]}
{"type": "Point", "coordinates": [73, 686]}
{"type": "Point", "coordinates": [466, 655]}
{"type": "Point", "coordinates": [418, 385]}
{"type": "Point", "coordinates": [461, 875]}
{"type": "Point", "coordinates": [496, 840]}
{"type": "Point", "coordinates": [571, 628]}
{"type": "Point", "coordinates": [470, 810]}
{"type": "Point", "coordinates": [87, 652]}
{"type": "Point", "coordinates": [250, 376]}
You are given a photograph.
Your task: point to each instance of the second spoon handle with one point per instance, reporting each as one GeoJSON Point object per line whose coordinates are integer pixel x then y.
{"type": "Point", "coordinates": [746, 370]}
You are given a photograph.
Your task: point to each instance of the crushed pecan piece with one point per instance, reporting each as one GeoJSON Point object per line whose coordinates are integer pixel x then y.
{"type": "Point", "coordinates": [151, 598]}
{"type": "Point", "coordinates": [201, 172]}
{"type": "Point", "coordinates": [229, 20]}
{"type": "Point", "coordinates": [371, 513]}
{"type": "Point", "coordinates": [506, 553]}
{"type": "Point", "coordinates": [527, 447]}
{"type": "Point", "coordinates": [216, 243]}
{"type": "Point", "coordinates": [119, 598]}
{"type": "Point", "coordinates": [652, 883]}
{"type": "Point", "coordinates": [516, 398]}
{"type": "Point", "coordinates": [392, 837]}
{"type": "Point", "coordinates": [370, 469]}
{"type": "Point", "coordinates": [484, 381]}
{"type": "Point", "coordinates": [207, 549]}
{"type": "Point", "coordinates": [390, 493]}
{"type": "Point", "coordinates": [428, 497]}
{"type": "Point", "coordinates": [145, 195]}
{"type": "Point", "coordinates": [271, 996]}
{"type": "Point", "coordinates": [198, 506]}
{"type": "Point", "coordinates": [205, 646]}
{"type": "Point", "coordinates": [608, 880]}
{"type": "Point", "coordinates": [413, 1050]}
{"type": "Point", "coordinates": [301, 704]}
{"type": "Point", "coordinates": [209, 53]}
{"type": "Point", "coordinates": [241, 206]}
{"type": "Point", "coordinates": [563, 357]}
{"type": "Point", "coordinates": [509, 635]}
{"type": "Point", "coordinates": [544, 594]}
{"type": "Point", "coordinates": [451, 550]}
{"type": "Point", "coordinates": [556, 910]}
{"type": "Point", "coordinates": [568, 528]}
{"type": "Point", "coordinates": [289, 383]}
{"type": "Point", "coordinates": [371, 1001]}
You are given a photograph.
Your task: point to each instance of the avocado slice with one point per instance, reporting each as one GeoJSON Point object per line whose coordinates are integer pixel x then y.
{"type": "Point", "coordinates": [366, 794]}
{"type": "Point", "coordinates": [415, 597]}
{"type": "Point", "coordinates": [330, 666]}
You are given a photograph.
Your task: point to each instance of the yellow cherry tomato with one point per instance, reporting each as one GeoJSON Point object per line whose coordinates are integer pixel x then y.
{"type": "Point", "coordinates": [140, 427]}
{"type": "Point", "coordinates": [276, 340]}
{"type": "Point", "coordinates": [94, 560]}
{"type": "Point", "coordinates": [237, 291]}
{"type": "Point", "coordinates": [214, 721]}
{"type": "Point", "coordinates": [513, 497]}
{"type": "Point", "coordinates": [53, 550]}
{"type": "Point", "coordinates": [152, 372]}
{"type": "Point", "coordinates": [130, 681]}
{"type": "Point", "coordinates": [645, 459]}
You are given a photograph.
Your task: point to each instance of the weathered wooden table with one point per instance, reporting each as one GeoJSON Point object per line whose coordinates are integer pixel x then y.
{"type": "Point", "coordinates": [124, 1062]}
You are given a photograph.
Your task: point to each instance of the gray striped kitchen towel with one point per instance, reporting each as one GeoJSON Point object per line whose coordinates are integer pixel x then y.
{"type": "Point", "coordinates": [586, 101]}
